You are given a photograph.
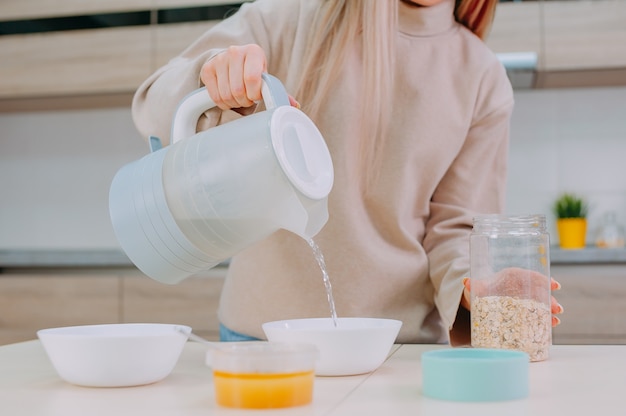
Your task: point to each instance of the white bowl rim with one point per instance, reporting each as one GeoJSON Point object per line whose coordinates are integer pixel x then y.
{"type": "Point", "coordinates": [383, 323]}
{"type": "Point", "coordinates": [117, 330]}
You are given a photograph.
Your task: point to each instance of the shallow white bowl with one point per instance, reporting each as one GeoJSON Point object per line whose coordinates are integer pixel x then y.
{"type": "Point", "coordinates": [114, 355]}
{"type": "Point", "coordinates": [355, 346]}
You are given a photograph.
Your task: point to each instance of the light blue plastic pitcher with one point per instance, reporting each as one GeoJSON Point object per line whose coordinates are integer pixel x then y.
{"type": "Point", "coordinates": [189, 206]}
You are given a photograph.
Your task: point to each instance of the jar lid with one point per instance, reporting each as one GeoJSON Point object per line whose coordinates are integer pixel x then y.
{"type": "Point", "coordinates": [475, 374]}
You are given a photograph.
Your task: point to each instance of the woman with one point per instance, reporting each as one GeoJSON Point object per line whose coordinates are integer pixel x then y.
{"type": "Point", "coordinates": [415, 110]}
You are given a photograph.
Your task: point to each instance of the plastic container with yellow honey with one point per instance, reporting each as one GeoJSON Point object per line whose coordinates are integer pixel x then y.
{"type": "Point", "coordinates": [263, 375]}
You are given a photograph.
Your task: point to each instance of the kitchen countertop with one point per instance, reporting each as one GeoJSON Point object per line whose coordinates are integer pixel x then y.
{"type": "Point", "coordinates": [63, 258]}
{"type": "Point", "coordinates": [34, 258]}
{"type": "Point", "coordinates": [580, 380]}
{"type": "Point", "coordinates": [25, 258]}
{"type": "Point", "coordinates": [587, 255]}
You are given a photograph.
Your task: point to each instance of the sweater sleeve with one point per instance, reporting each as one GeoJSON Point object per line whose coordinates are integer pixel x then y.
{"type": "Point", "coordinates": [474, 184]}
{"type": "Point", "coordinates": [158, 96]}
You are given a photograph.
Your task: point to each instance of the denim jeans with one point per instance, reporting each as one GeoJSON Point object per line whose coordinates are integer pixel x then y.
{"type": "Point", "coordinates": [228, 335]}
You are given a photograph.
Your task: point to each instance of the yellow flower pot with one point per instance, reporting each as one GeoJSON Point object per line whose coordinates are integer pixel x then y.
{"type": "Point", "coordinates": [572, 232]}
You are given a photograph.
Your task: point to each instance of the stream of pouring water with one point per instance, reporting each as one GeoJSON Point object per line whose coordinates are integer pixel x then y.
{"type": "Point", "coordinates": [329, 290]}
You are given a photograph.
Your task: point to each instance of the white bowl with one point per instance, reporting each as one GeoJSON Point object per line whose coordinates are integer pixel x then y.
{"type": "Point", "coordinates": [354, 346]}
{"type": "Point", "coordinates": [114, 355]}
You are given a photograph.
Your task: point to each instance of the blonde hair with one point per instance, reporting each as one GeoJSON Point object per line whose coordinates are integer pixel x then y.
{"type": "Point", "coordinates": [476, 15]}
{"type": "Point", "coordinates": [370, 25]}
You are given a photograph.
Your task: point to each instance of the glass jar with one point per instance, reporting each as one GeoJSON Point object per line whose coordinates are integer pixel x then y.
{"type": "Point", "coordinates": [510, 286]}
{"type": "Point", "coordinates": [610, 234]}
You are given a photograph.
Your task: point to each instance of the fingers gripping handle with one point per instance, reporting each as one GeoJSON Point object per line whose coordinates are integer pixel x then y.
{"type": "Point", "coordinates": [273, 92]}
{"type": "Point", "coordinates": [196, 103]}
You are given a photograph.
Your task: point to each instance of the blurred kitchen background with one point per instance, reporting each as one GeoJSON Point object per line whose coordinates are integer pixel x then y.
{"type": "Point", "coordinates": [67, 74]}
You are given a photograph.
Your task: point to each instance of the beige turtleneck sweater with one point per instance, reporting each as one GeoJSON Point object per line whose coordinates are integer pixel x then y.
{"type": "Point", "coordinates": [402, 252]}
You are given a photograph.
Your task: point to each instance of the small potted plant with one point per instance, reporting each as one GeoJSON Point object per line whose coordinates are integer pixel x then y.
{"type": "Point", "coordinates": [571, 220]}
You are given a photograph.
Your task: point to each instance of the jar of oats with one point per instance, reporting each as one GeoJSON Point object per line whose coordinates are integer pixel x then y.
{"type": "Point", "coordinates": [510, 286]}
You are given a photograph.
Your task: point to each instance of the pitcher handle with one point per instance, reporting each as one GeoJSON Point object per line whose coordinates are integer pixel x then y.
{"type": "Point", "coordinates": [197, 102]}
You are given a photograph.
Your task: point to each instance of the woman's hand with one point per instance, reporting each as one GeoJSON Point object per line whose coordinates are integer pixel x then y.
{"type": "Point", "coordinates": [509, 281]}
{"type": "Point", "coordinates": [233, 77]}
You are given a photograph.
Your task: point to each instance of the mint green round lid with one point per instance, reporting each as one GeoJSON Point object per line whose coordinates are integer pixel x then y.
{"type": "Point", "coordinates": [475, 374]}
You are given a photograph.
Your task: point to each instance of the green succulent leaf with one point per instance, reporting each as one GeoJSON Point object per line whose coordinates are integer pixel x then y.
{"type": "Point", "coordinates": [569, 205]}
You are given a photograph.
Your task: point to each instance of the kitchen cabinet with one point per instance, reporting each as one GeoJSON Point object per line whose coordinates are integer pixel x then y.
{"type": "Point", "coordinates": [75, 62]}
{"type": "Point", "coordinates": [593, 296]}
{"type": "Point", "coordinates": [517, 27]}
{"type": "Point", "coordinates": [567, 35]}
{"type": "Point", "coordinates": [89, 67]}
{"type": "Point", "coordinates": [594, 302]}
{"type": "Point", "coordinates": [93, 62]}
{"type": "Point", "coordinates": [585, 44]}
{"type": "Point", "coordinates": [577, 43]}
{"type": "Point", "coordinates": [193, 302]}
{"type": "Point", "coordinates": [33, 299]}
{"type": "Point", "coordinates": [36, 9]}
{"type": "Point", "coordinates": [581, 35]}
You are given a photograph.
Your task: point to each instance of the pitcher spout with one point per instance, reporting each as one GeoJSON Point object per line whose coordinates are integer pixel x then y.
{"type": "Point", "coordinates": [317, 211]}
{"type": "Point", "coordinates": [302, 216]}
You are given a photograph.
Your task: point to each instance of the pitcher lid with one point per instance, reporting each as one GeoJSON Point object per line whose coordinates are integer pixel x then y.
{"type": "Point", "coordinates": [302, 152]}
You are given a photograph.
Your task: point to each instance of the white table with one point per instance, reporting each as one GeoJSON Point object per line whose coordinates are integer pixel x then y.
{"type": "Point", "coordinates": [576, 380]}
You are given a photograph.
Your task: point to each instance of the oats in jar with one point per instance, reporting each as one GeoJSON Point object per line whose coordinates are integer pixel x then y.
{"type": "Point", "coordinates": [512, 323]}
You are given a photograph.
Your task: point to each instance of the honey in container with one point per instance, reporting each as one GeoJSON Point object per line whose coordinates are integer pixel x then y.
{"type": "Point", "coordinates": [263, 375]}
{"type": "Point", "coordinates": [263, 391]}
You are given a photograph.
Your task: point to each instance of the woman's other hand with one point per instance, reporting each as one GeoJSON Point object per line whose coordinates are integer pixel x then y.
{"type": "Point", "coordinates": [508, 277]}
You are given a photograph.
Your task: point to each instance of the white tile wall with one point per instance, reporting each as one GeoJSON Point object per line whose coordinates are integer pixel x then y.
{"type": "Point", "coordinates": [56, 167]}
{"type": "Point", "coordinates": [569, 140]}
